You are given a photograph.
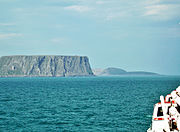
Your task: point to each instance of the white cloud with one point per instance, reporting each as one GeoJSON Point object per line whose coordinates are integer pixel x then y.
{"type": "Point", "coordinates": [57, 40]}
{"type": "Point", "coordinates": [110, 9]}
{"type": "Point", "coordinates": [150, 2]}
{"type": "Point", "coordinates": [9, 35]}
{"type": "Point", "coordinates": [7, 24]}
{"type": "Point", "coordinates": [117, 15]}
{"type": "Point", "coordinates": [155, 10]}
{"type": "Point", "coordinates": [161, 9]}
{"type": "Point", "coordinates": [100, 2]}
{"type": "Point", "coordinates": [78, 8]}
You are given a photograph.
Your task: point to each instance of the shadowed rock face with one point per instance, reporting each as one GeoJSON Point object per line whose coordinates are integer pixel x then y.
{"type": "Point", "coordinates": [45, 66]}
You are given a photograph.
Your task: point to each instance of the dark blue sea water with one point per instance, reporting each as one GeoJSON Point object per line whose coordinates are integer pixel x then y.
{"type": "Point", "coordinates": [123, 104]}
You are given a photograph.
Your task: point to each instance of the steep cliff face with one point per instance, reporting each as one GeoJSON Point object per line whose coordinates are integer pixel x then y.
{"type": "Point", "coordinates": [45, 66]}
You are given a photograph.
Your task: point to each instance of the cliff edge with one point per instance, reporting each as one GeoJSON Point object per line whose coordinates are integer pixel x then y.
{"type": "Point", "coordinates": [62, 66]}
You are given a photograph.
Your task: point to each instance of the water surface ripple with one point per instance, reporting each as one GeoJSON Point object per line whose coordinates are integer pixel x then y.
{"type": "Point", "coordinates": [123, 104]}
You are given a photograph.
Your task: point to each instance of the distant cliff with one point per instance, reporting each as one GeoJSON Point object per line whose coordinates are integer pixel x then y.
{"type": "Point", "coordinates": [120, 72]}
{"type": "Point", "coordinates": [12, 66]}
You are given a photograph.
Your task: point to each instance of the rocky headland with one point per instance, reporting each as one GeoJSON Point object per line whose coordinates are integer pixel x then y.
{"type": "Point", "coordinates": [111, 71]}
{"type": "Point", "coordinates": [42, 66]}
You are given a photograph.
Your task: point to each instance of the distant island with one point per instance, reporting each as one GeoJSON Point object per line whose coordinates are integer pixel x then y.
{"type": "Point", "coordinates": [120, 72]}
{"type": "Point", "coordinates": [44, 66]}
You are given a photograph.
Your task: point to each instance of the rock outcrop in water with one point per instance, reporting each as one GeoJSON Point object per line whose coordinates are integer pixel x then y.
{"type": "Point", "coordinates": [12, 66]}
{"type": "Point", "coordinates": [120, 72]}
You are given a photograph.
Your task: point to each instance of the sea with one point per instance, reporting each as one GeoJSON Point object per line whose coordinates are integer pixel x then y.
{"type": "Point", "coordinates": [81, 104]}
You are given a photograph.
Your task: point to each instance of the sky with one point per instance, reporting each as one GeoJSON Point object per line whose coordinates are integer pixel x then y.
{"type": "Point", "coordinates": [135, 35]}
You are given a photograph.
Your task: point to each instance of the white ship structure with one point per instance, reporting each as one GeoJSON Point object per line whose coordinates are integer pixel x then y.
{"type": "Point", "coordinates": [166, 115]}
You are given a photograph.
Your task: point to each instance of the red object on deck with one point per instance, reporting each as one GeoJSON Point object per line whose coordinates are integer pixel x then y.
{"type": "Point", "coordinates": [157, 119]}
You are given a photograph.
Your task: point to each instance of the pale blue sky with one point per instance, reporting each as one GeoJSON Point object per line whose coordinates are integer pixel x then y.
{"type": "Point", "coordinates": [129, 34]}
